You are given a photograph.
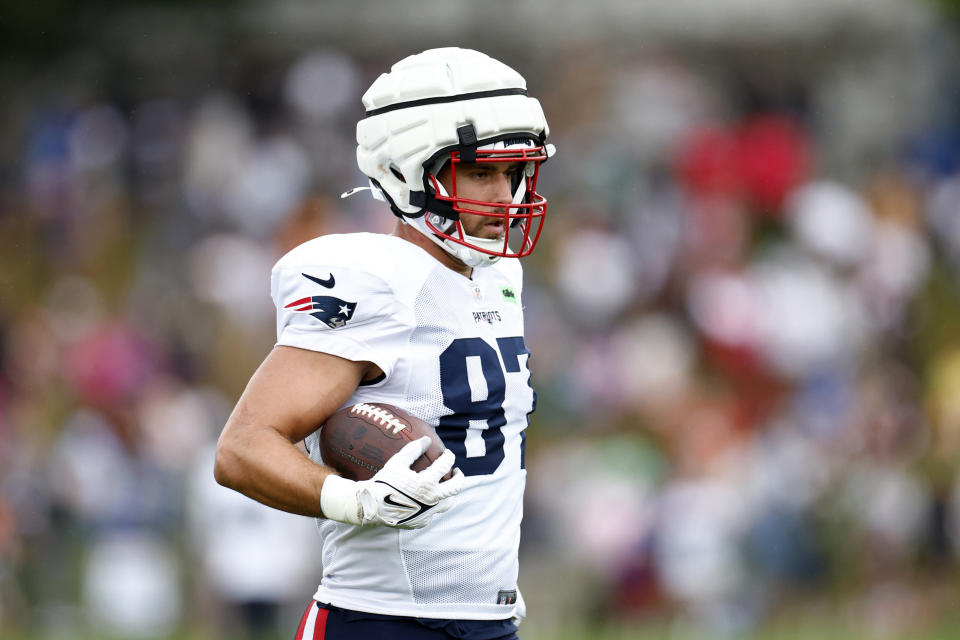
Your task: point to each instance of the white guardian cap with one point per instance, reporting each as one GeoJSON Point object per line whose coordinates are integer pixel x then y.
{"type": "Point", "coordinates": [454, 106]}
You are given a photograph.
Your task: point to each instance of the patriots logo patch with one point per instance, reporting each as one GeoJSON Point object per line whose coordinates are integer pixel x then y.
{"type": "Point", "coordinates": [331, 311]}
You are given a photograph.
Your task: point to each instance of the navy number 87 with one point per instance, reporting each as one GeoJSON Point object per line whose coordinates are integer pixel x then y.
{"type": "Point", "coordinates": [458, 397]}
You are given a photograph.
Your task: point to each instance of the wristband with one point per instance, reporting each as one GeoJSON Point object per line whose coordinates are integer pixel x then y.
{"type": "Point", "coordinates": [338, 500]}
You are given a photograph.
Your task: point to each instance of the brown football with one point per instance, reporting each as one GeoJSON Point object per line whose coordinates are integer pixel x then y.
{"type": "Point", "coordinates": [358, 440]}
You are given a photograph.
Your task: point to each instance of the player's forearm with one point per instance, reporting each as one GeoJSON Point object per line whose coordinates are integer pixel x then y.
{"type": "Point", "coordinates": [261, 463]}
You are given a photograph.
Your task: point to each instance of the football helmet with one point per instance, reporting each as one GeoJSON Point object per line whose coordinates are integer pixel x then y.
{"type": "Point", "coordinates": [455, 106]}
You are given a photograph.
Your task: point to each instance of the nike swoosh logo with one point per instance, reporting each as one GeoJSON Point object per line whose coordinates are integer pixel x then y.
{"type": "Point", "coordinates": [393, 503]}
{"type": "Point", "coordinates": [388, 499]}
{"type": "Point", "coordinates": [328, 283]}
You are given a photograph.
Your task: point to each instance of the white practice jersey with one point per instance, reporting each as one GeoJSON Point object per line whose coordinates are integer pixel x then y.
{"type": "Point", "coordinates": [453, 354]}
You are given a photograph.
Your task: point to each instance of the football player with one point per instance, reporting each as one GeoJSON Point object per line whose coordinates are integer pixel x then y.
{"type": "Point", "coordinates": [428, 319]}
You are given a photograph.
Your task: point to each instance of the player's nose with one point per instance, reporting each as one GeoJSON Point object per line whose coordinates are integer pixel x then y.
{"type": "Point", "coordinates": [503, 192]}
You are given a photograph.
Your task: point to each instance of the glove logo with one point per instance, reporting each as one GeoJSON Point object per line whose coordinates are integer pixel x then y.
{"type": "Point", "coordinates": [329, 310]}
{"type": "Point", "coordinates": [393, 503]}
{"type": "Point", "coordinates": [414, 507]}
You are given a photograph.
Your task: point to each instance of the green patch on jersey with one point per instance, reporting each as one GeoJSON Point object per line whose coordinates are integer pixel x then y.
{"type": "Point", "coordinates": [508, 294]}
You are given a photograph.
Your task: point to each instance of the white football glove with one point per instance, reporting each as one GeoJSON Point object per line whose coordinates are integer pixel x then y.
{"type": "Point", "coordinates": [396, 496]}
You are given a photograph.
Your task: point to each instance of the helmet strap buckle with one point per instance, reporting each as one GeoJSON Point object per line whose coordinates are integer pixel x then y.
{"type": "Point", "coordinates": [467, 136]}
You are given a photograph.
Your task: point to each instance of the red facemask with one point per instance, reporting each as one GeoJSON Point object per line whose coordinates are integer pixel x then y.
{"type": "Point", "coordinates": [522, 219]}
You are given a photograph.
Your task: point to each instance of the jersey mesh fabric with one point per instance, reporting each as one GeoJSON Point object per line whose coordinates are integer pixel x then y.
{"type": "Point", "coordinates": [463, 557]}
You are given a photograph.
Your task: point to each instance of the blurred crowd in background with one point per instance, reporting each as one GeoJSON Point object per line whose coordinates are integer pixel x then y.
{"type": "Point", "coordinates": [744, 314]}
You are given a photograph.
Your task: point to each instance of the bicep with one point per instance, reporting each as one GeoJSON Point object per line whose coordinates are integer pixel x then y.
{"type": "Point", "coordinates": [295, 390]}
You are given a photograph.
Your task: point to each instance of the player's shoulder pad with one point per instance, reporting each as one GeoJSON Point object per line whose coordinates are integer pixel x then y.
{"type": "Point", "coordinates": [380, 255]}
{"type": "Point", "coordinates": [340, 280]}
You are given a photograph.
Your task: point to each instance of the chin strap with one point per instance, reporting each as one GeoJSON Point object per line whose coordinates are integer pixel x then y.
{"type": "Point", "coordinates": [440, 211]}
{"type": "Point", "coordinates": [466, 255]}
{"type": "Point", "coordinates": [472, 257]}
{"type": "Point", "coordinates": [426, 202]}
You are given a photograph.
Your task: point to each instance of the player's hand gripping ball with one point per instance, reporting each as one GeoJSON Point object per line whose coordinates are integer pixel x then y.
{"type": "Point", "coordinates": [395, 469]}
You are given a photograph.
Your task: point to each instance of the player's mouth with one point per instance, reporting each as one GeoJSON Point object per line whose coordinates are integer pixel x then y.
{"type": "Point", "coordinates": [493, 229]}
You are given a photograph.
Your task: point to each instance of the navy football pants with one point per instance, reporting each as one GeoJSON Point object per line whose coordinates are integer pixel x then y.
{"type": "Point", "coordinates": [322, 623]}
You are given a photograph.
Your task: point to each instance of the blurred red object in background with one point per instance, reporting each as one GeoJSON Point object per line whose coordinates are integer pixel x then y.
{"type": "Point", "coordinates": [759, 160]}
